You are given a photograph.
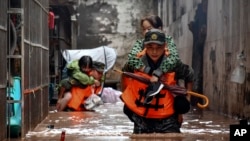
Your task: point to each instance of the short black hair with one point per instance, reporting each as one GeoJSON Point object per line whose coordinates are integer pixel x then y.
{"type": "Point", "coordinates": [85, 61]}
{"type": "Point", "coordinates": [98, 66]}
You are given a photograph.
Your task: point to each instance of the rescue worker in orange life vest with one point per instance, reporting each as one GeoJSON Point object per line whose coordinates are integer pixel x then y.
{"type": "Point", "coordinates": [78, 76]}
{"type": "Point", "coordinates": [151, 108]}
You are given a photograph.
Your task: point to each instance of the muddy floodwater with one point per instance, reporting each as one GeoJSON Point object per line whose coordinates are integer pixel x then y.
{"type": "Point", "coordinates": [108, 123]}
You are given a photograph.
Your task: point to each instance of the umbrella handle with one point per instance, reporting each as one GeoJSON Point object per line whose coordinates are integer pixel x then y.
{"type": "Point", "coordinates": [200, 96]}
{"type": "Point", "coordinates": [188, 92]}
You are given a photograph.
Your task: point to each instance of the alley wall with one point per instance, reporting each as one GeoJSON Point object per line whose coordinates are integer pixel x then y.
{"type": "Point", "coordinates": [3, 66]}
{"type": "Point", "coordinates": [113, 23]}
{"type": "Point", "coordinates": [221, 37]}
{"type": "Point", "coordinates": [228, 29]}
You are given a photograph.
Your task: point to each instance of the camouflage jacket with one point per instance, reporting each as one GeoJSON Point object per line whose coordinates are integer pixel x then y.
{"type": "Point", "coordinates": [167, 64]}
{"type": "Point", "coordinates": [79, 75]}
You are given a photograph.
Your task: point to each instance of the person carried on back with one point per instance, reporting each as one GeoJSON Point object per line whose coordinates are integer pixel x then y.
{"type": "Point", "coordinates": [79, 75]}
{"type": "Point", "coordinates": [171, 61]}
{"type": "Point", "coordinates": [150, 107]}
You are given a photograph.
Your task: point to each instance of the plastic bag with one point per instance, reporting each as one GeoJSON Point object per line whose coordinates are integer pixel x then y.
{"type": "Point", "coordinates": [110, 95]}
{"type": "Point", "coordinates": [92, 102]}
{"type": "Point", "coordinates": [238, 75]}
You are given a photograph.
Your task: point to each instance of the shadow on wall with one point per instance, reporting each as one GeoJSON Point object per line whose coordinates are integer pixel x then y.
{"type": "Point", "coordinates": [96, 19]}
{"type": "Point", "coordinates": [198, 27]}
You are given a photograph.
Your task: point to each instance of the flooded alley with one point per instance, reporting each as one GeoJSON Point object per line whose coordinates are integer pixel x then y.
{"type": "Point", "coordinates": [206, 48]}
{"type": "Point", "coordinates": [109, 123]}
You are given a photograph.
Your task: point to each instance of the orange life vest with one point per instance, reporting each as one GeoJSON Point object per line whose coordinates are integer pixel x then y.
{"type": "Point", "coordinates": [125, 80]}
{"type": "Point", "coordinates": [79, 95]}
{"type": "Point", "coordinates": [161, 105]}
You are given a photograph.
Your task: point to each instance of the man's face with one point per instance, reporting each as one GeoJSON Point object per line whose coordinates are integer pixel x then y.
{"type": "Point", "coordinates": [155, 51]}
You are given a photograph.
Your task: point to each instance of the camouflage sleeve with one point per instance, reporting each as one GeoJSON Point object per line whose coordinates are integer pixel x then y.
{"type": "Point", "coordinates": [170, 62]}
{"type": "Point", "coordinates": [132, 60]}
{"type": "Point", "coordinates": [184, 71]}
{"type": "Point", "coordinates": [79, 75]}
{"type": "Point", "coordinates": [65, 83]}
{"type": "Point", "coordinates": [83, 78]}
{"type": "Point", "coordinates": [102, 78]}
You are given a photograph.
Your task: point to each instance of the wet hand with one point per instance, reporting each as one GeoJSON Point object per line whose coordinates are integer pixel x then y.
{"type": "Point", "coordinates": [142, 69]}
{"type": "Point", "coordinates": [97, 83]}
{"type": "Point", "coordinates": [154, 79]}
{"type": "Point", "coordinates": [58, 104]}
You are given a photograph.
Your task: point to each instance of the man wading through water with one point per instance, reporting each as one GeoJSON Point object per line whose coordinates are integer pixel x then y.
{"type": "Point", "coordinates": [151, 108]}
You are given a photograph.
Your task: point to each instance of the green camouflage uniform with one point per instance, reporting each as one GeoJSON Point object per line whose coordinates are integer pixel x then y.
{"type": "Point", "coordinates": [171, 63]}
{"type": "Point", "coordinates": [76, 77]}
{"type": "Point", "coordinates": [167, 64]}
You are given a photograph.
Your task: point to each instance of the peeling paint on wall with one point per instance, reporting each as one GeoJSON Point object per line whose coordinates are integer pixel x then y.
{"type": "Point", "coordinates": [96, 19]}
{"type": "Point", "coordinates": [213, 59]}
{"type": "Point", "coordinates": [113, 23]}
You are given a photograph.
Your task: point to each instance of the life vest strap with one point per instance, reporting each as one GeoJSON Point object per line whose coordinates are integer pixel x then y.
{"type": "Point", "coordinates": [156, 106]}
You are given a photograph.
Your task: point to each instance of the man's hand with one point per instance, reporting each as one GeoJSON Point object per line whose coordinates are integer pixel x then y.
{"type": "Point", "coordinates": [97, 83]}
{"type": "Point", "coordinates": [58, 104]}
{"type": "Point", "coordinates": [142, 69]}
{"type": "Point", "coordinates": [154, 79]}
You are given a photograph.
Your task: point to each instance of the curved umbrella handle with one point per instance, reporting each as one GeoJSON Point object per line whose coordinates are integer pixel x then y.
{"type": "Point", "coordinates": [200, 96]}
{"type": "Point", "coordinates": [168, 87]}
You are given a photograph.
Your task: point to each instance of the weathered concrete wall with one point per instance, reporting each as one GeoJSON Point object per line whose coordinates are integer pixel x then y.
{"type": "Point", "coordinates": [228, 29]}
{"type": "Point", "coordinates": [222, 36]}
{"type": "Point", "coordinates": [178, 14]}
{"type": "Point", "coordinates": [184, 20]}
{"type": "Point", "coordinates": [114, 23]}
{"type": "Point", "coordinates": [208, 35]}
